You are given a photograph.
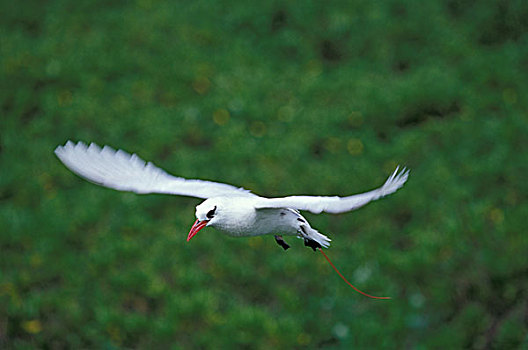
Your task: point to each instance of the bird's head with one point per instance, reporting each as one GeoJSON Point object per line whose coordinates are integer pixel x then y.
{"type": "Point", "coordinates": [206, 215]}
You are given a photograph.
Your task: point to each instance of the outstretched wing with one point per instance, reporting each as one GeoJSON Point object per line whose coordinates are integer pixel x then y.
{"type": "Point", "coordinates": [122, 171]}
{"type": "Point", "coordinates": [335, 204]}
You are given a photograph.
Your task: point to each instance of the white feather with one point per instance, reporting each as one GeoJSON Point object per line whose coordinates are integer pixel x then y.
{"type": "Point", "coordinates": [122, 171]}
{"type": "Point", "coordinates": [335, 204]}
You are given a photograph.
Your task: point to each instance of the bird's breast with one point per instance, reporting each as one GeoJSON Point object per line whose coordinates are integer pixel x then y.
{"type": "Point", "coordinates": [258, 222]}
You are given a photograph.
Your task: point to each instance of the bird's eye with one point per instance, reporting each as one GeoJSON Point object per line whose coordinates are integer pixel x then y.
{"type": "Point", "coordinates": [211, 213]}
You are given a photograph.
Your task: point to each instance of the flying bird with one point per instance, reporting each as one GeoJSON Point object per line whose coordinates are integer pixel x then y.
{"type": "Point", "coordinates": [232, 210]}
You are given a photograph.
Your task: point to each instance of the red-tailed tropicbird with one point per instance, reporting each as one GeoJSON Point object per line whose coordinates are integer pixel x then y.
{"type": "Point", "coordinates": [232, 210]}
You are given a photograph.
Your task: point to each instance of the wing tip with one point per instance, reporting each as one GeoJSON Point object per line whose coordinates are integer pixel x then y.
{"type": "Point", "coordinates": [71, 147]}
{"type": "Point", "coordinates": [68, 146]}
{"type": "Point", "coordinates": [396, 180]}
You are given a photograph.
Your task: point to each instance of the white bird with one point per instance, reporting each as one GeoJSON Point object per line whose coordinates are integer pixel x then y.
{"type": "Point", "coordinates": [232, 210]}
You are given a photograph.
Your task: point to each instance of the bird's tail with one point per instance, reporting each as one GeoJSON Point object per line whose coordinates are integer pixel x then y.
{"type": "Point", "coordinates": [309, 233]}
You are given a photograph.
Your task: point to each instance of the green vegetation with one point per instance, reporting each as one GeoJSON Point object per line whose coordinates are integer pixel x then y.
{"type": "Point", "coordinates": [281, 98]}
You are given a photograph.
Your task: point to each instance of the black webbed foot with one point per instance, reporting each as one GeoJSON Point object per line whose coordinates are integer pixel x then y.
{"type": "Point", "coordinates": [312, 244]}
{"type": "Point", "coordinates": [281, 242]}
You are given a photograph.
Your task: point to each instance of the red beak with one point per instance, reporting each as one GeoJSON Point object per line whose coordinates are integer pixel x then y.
{"type": "Point", "coordinates": [197, 226]}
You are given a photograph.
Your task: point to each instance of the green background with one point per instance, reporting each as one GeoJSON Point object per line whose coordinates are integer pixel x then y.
{"type": "Point", "coordinates": [290, 97]}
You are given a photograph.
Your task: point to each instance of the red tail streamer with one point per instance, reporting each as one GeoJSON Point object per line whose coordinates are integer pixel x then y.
{"type": "Point", "coordinates": [350, 284]}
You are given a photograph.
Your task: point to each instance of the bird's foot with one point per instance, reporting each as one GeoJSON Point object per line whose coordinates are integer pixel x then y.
{"type": "Point", "coordinates": [311, 243]}
{"type": "Point", "coordinates": [281, 242]}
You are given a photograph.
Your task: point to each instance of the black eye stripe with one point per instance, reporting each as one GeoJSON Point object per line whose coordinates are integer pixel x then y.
{"type": "Point", "coordinates": [211, 213]}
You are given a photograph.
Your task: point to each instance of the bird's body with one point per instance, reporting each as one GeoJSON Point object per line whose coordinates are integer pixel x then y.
{"type": "Point", "coordinates": [234, 211]}
{"type": "Point", "coordinates": [239, 217]}
{"type": "Point", "coordinates": [242, 219]}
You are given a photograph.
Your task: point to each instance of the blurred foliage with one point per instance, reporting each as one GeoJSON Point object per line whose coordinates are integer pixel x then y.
{"type": "Point", "coordinates": [282, 98]}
